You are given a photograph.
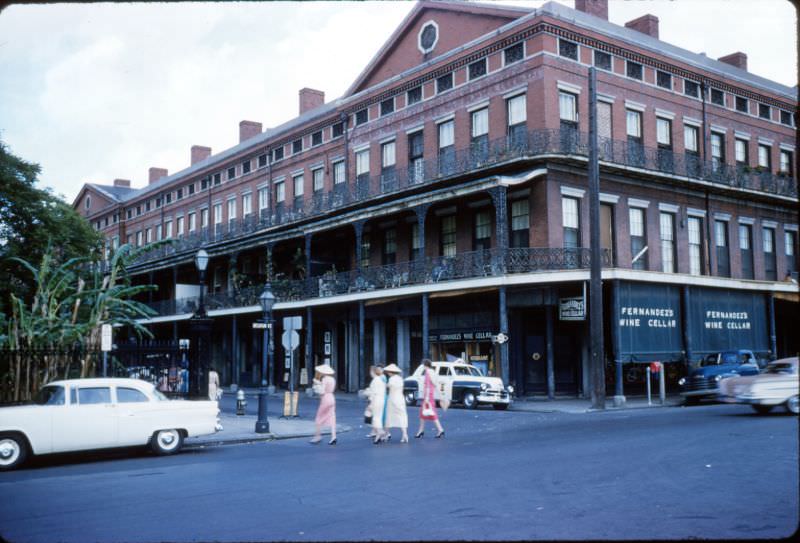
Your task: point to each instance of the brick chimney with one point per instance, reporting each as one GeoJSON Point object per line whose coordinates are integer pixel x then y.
{"type": "Point", "coordinates": [598, 8]}
{"type": "Point", "coordinates": [122, 183]}
{"type": "Point", "coordinates": [156, 173]}
{"type": "Point", "coordinates": [310, 99]}
{"type": "Point", "coordinates": [646, 24]}
{"type": "Point", "coordinates": [248, 129]}
{"type": "Point", "coordinates": [200, 153]}
{"type": "Point", "coordinates": [737, 59]}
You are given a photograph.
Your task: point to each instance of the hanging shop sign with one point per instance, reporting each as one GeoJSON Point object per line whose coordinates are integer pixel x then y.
{"type": "Point", "coordinates": [727, 319]}
{"type": "Point", "coordinates": [572, 309]}
{"type": "Point", "coordinates": [649, 322]}
{"type": "Point", "coordinates": [448, 336]}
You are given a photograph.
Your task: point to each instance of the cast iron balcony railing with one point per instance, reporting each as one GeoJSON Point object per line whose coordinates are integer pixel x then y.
{"type": "Point", "coordinates": [564, 142]}
{"type": "Point", "coordinates": [469, 265]}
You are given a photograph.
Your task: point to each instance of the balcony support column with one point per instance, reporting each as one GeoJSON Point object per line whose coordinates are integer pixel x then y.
{"type": "Point", "coordinates": [549, 340]}
{"type": "Point", "coordinates": [422, 214]}
{"type": "Point", "coordinates": [504, 373]}
{"type": "Point", "coordinates": [234, 350]}
{"type": "Point", "coordinates": [174, 301]}
{"type": "Point", "coordinates": [233, 259]}
{"type": "Point", "coordinates": [268, 264]}
{"type": "Point", "coordinates": [358, 226]}
{"type": "Point", "coordinates": [426, 347]}
{"type": "Point", "coordinates": [499, 196]}
{"type": "Point", "coordinates": [309, 344]}
{"type": "Point", "coordinates": [619, 393]}
{"type": "Point", "coordinates": [150, 280]}
{"type": "Point", "coordinates": [773, 341]}
{"type": "Point", "coordinates": [361, 371]}
{"type": "Point", "coordinates": [687, 326]}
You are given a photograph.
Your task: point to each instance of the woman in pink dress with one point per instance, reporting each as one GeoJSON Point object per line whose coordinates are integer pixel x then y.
{"type": "Point", "coordinates": [427, 410]}
{"type": "Point", "coordinates": [325, 385]}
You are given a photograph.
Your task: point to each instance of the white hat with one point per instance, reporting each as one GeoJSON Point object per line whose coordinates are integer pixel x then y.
{"type": "Point", "coordinates": [392, 368]}
{"type": "Point", "coordinates": [325, 369]}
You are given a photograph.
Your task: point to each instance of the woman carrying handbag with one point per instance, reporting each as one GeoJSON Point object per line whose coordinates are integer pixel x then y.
{"type": "Point", "coordinates": [427, 410]}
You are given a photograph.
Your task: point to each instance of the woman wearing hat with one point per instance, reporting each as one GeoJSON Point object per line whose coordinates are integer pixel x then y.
{"type": "Point", "coordinates": [377, 403]}
{"type": "Point", "coordinates": [326, 413]}
{"type": "Point", "coordinates": [396, 416]}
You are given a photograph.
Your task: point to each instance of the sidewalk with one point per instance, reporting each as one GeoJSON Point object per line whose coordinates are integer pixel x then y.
{"type": "Point", "coordinates": [241, 429]}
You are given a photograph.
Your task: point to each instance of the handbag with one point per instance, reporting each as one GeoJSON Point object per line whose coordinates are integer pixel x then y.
{"type": "Point", "coordinates": [427, 411]}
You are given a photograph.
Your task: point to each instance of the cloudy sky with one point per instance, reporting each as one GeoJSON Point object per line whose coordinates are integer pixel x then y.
{"type": "Point", "coordinates": [94, 92]}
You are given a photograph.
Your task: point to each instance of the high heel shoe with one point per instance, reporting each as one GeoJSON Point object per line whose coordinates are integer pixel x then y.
{"type": "Point", "coordinates": [376, 440]}
{"type": "Point", "coordinates": [404, 440]}
{"type": "Point", "coordinates": [332, 441]}
{"type": "Point", "coordinates": [419, 434]}
{"type": "Point", "coordinates": [315, 441]}
{"type": "Point", "coordinates": [440, 434]}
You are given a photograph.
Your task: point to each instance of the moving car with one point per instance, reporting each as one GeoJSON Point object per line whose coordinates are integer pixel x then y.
{"type": "Point", "coordinates": [462, 383]}
{"type": "Point", "coordinates": [83, 414]}
{"type": "Point", "coordinates": [777, 385]}
{"type": "Point", "coordinates": [703, 382]}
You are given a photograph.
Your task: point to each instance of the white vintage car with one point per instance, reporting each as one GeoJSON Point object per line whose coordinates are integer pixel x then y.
{"type": "Point", "coordinates": [82, 414]}
{"type": "Point", "coordinates": [776, 385]}
{"type": "Point", "coordinates": [462, 383]}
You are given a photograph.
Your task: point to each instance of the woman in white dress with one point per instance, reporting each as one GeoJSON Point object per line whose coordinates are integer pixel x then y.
{"type": "Point", "coordinates": [377, 403]}
{"type": "Point", "coordinates": [396, 415]}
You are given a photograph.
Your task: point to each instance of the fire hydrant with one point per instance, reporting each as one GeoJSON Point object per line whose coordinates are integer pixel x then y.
{"type": "Point", "coordinates": [241, 403]}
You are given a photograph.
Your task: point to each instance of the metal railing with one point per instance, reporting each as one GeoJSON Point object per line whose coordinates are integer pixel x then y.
{"type": "Point", "coordinates": [482, 155]}
{"type": "Point", "coordinates": [468, 265]}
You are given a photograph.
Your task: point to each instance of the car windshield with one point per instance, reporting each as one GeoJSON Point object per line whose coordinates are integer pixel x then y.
{"type": "Point", "coordinates": [783, 367]}
{"type": "Point", "coordinates": [723, 359]}
{"type": "Point", "coordinates": [466, 370]}
{"type": "Point", "coordinates": [50, 395]}
{"type": "Point", "coordinates": [159, 395]}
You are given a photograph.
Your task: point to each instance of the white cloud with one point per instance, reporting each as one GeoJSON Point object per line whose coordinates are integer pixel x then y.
{"type": "Point", "coordinates": [95, 92]}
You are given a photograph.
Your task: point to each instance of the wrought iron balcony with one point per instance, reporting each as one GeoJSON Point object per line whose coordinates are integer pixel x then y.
{"type": "Point", "coordinates": [469, 265]}
{"type": "Point", "coordinates": [482, 155]}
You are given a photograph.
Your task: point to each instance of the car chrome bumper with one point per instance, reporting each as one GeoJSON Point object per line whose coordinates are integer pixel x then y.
{"type": "Point", "coordinates": [698, 393]}
{"type": "Point", "coordinates": [495, 397]}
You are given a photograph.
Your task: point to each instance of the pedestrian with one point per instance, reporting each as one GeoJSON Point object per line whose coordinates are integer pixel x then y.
{"type": "Point", "coordinates": [427, 410]}
{"type": "Point", "coordinates": [326, 413]}
{"type": "Point", "coordinates": [377, 403]}
{"type": "Point", "coordinates": [396, 415]}
{"type": "Point", "coordinates": [213, 385]}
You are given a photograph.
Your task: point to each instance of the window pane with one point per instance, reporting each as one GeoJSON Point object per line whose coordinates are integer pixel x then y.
{"type": "Point", "coordinates": [298, 185]}
{"type": "Point", "coordinates": [317, 178]}
{"type": "Point", "coordinates": [362, 162]}
{"type": "Point", "coordinates": [566, 107]}
{"type": "Point", "coordinates": [94, 395]}
{"type": "Point", "coordinates": [516, 110]}
{"type": "Point", "coordinates": [741, 150]}
{"type": "Point", "coordinates": [446, 134]}
{"type": "Point", "coordinates": [664, 131]}
{"type": "Point", "coordinates": [769, 240]}
{"type": "Point", "coordinates": [744, 237]}
{"type": "Point", "coordinates": [388, 154]}
{"type": "Point", "coordinates": [637, 221]}
{"type": "Point", "coordinates": [519, 215]}
{"type": "Point", "coordinates": [338, 172]}
{"type": "Point", "coordinates": [483, 225]}
{"type": "Point", "coordinates": [130, 395]}
{"type": "Point", "coordinates": [480, 122]}
{"type": "Point", "coordinates": [690, 138]}
{"type": "Point", "coordinates": [721, 233]}
{"type": "Point", "coordinates": [634, 123]}
{"type": "Point", "coordinates": [569, 211]}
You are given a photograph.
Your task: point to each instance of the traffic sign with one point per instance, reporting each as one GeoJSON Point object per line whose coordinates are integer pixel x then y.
{"type": "Point", "coordinates": [105, 337]}
{"type": "Point", "coordinates": [290, 340]}
{"type": "Point", "coordinates": [259, 325]}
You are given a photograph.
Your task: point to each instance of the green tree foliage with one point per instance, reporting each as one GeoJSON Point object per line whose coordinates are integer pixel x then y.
{"type": "Point", "coordinates": [31, 221]}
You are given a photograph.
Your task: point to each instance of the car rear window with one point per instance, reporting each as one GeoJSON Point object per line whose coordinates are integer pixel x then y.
{"type": "Point", "coordinates": [94, 395]}
{"type": "Point", "coordinates": [130, 395]}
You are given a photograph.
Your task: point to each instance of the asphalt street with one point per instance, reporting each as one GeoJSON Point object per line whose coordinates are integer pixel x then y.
{"type": "Point", "coordinates": [712, 471]}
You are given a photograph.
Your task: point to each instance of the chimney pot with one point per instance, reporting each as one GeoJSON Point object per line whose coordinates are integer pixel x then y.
{"type": "Point", "coordinates": [248, 129]}
{"type": "Point", "coordinates": [598, 8]}
{"type": "Point", "coordinates": [646, 24]}
{"type": "Point", "coordinates": [310, 99]}
{"type": "Point", "coordinates": [200, 153]}
{"type": "Point", "coordinates": [737, 59]}
{"type": "Point", "coordinates": [122, 183]}
{"type": "Point", "coordinates": [155, 174]}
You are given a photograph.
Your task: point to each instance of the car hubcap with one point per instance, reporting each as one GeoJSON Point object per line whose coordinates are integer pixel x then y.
{"type": "Point", "coordinates": [469, 400]}
{"type": "Point", "coordinates": [168, 440]}
{"type": "Point", "coordinates": [9, 451]}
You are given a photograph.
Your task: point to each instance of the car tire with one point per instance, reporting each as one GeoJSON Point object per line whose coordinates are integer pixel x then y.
{"type": "Point", "coordinates": [166, 442]}
{"type": "Point", "coordinates": [470, 400]}
{"type": "Point", "coordinates": [13, 451]}
{"type": "Point", "coordinates": [500, 406]}
{"type": "Point", "coordinates": [793, 405]}
{"type": "Point", "coordinates": [411, 399]}
{"type": "Point", "coordinates": [761, 409]}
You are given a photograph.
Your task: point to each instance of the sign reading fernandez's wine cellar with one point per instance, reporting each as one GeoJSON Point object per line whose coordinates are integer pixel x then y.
{"type": "Point", "coordinates": [725, 319]}
{"type": "Point", "coordinates": [649, 321]}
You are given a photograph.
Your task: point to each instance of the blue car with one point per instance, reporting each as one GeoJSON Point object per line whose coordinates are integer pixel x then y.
{"type": "Point", "coordinates": [703, 381]}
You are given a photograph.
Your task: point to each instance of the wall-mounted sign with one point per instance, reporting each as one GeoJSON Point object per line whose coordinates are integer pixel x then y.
{"type": "Point", "coordinates": [726, 319]}
{"type": "Point", "coordinates": [571, 309]}
{"type": "Point", "coordinates": [461, 336]}
{"type": "Point", "coordinates": [649, 322]}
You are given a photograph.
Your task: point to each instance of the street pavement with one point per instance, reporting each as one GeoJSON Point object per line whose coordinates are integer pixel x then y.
{"type": "Point", "coordinates": [711, 471]}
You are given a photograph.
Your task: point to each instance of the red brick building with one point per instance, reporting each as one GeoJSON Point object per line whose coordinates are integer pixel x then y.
{"type": "Point", "coordinates": [441, 201]}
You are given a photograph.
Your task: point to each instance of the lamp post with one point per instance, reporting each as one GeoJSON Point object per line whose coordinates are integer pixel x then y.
{"type": "Point", "coordinates": [267, 300]}
{"type": "Point", "coordinates": [200, 325]}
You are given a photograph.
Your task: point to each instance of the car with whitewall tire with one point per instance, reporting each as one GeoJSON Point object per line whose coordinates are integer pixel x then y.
{"type": "Point", "coordinates": [460, 383]}
{"type": "Point", "coordinates": [776, 386]}
{"type": "Point", "coordinates": [87, 414]}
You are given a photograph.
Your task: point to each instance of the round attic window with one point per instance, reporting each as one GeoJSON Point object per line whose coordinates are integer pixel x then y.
{"type": "Point", "coordinates": [428, 36]}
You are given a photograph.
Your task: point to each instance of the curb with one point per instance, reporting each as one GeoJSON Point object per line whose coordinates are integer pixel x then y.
{"type": "Point", "coordinates": [257, 439]}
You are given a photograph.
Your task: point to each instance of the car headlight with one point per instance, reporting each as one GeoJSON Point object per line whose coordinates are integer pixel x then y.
{"type": "Point", "coordinates": [682, 381]}
{"type": "Point", "coordinates": [510, 389]}
{"type": "Point", "coordinates": [717, 378]}
{"type": "Point", "coordinates": [484, 386]}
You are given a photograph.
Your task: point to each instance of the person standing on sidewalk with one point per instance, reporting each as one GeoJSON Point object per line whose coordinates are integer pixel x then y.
{"type": "Point", "coordinates": [427, 410]}
{"type": "Point", "coordinates": [396, 415]}
{"type": "Point", "coordinates": [326, 413]}
{"type": "Point", "coordinates": [213, 385]}
{"type": "Point", "coordinates": [377, 403]}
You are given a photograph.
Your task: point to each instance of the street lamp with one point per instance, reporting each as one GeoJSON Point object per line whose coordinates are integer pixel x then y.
{"type": "Point", "coordinates": [201, 262]}
{"type": "Point", "coordinates": [267, 301]}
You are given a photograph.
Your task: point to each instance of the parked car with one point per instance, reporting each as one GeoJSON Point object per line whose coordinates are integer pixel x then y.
{"type": "Point", "coordinates": [703, 382]}
{"type": "Point", "coordinates": [461, 383]}
{"type": "Point", "coordinates": [776, 385]}
{"type": "Point", "coordinates": [83, 414]}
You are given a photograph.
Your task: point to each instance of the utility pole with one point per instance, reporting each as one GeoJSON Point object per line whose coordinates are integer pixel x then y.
{"type": "Point", "coordinates": [597, 351]}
